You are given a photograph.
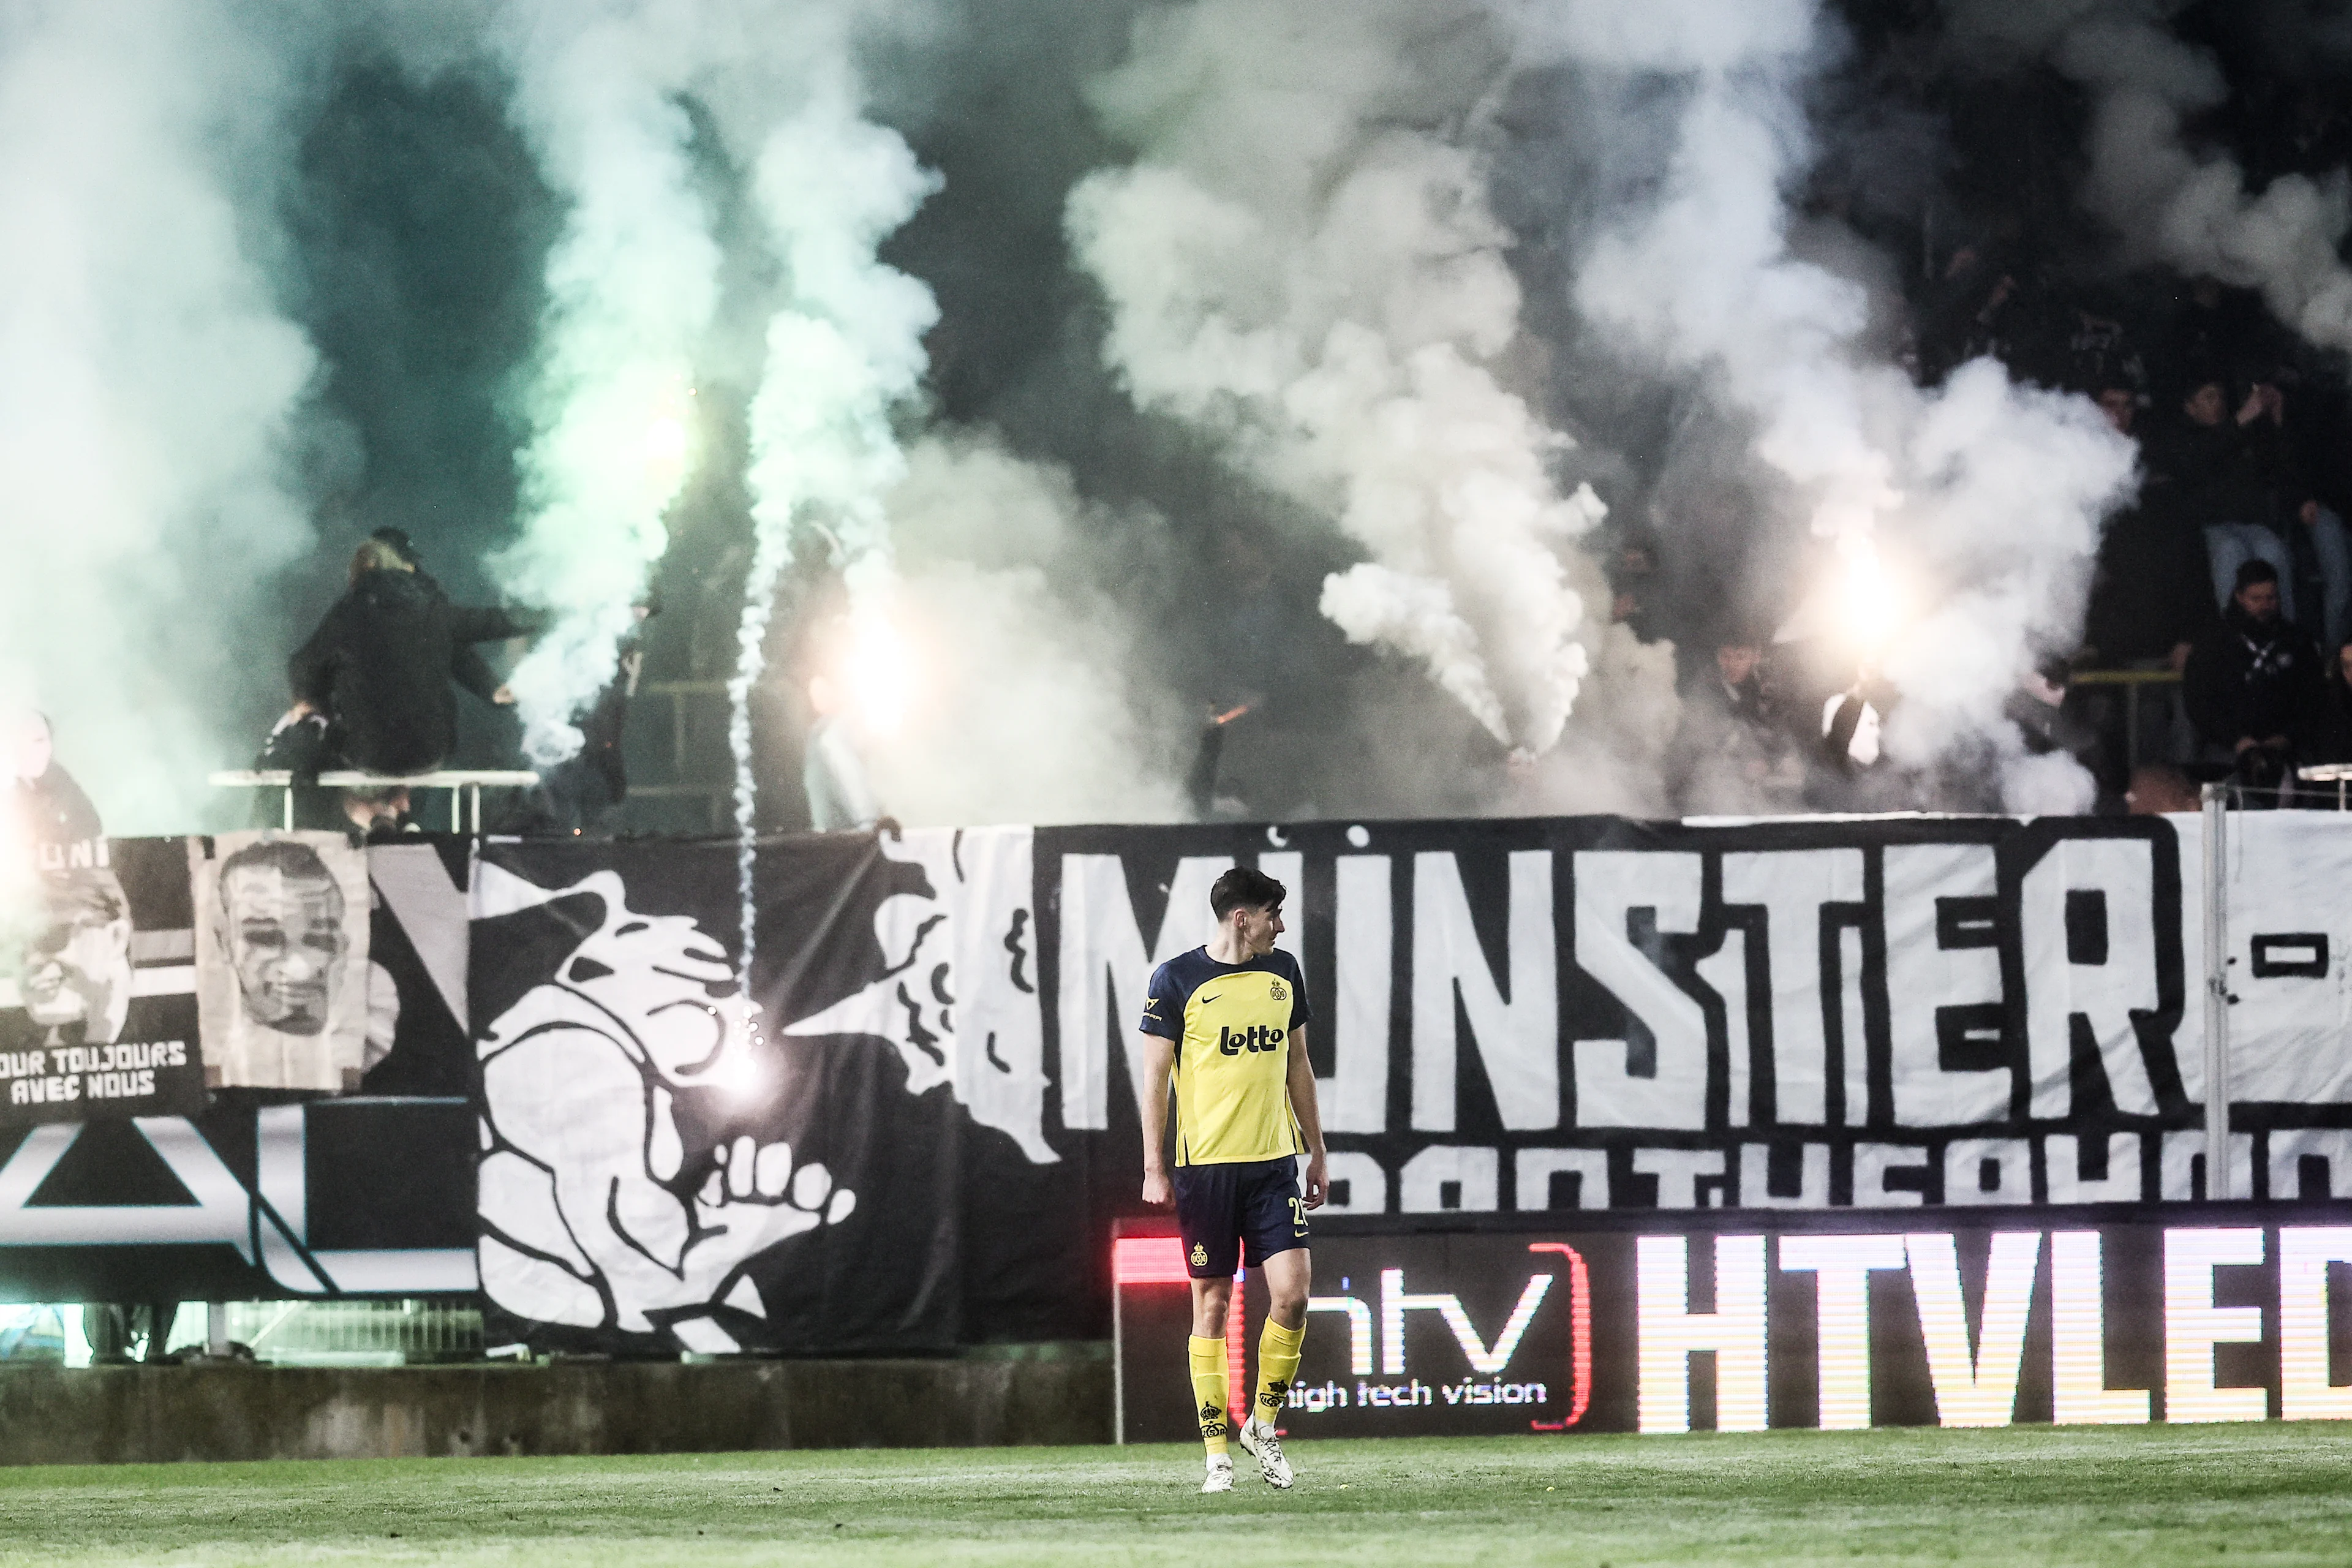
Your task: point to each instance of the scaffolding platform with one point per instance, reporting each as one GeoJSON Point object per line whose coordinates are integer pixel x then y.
{"type": "Point", "coordinates": [464, 785]}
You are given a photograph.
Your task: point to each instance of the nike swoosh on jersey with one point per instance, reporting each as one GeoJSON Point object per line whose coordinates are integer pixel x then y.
{"type": "Point", "coordinates": [1206, 999]}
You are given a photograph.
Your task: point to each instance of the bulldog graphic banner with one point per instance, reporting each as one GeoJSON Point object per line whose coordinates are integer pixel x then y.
{"type": "Point", "coordinates": [673, 1158]}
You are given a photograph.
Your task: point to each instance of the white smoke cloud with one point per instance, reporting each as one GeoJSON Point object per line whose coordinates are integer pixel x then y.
{"type": "Point", "coordinates": [1302, 262]}
{"type": "Point", "coordinates": [631, 284]}
{"type": "Point", "coordinates": [2189, 209]}
{"type": "Point", "coordinates": [845, 355]}
{"type": "Point", "coordinates": [1009, 661]}
{"type": "Point", "coordinates": [844, 351]}
{"type": "Point", "coordinates": [1021, 708]}
{"type": "Point", "coordinates": [2195, 212]}
{"type": "Point", "coordinates": [1978, 503]}
{"type": "Point", "coordinates": [2052, 785]}
{"type": "Point", "coordinates": [149, 386]}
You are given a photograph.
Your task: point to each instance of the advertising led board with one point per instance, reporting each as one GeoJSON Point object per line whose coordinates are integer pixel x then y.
{"type": "Point", "coordinates": [2225, 1313]}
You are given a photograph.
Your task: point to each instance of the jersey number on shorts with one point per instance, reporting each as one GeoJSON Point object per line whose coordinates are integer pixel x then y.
{"type": "Point", "coordinates": [1297, 1219]}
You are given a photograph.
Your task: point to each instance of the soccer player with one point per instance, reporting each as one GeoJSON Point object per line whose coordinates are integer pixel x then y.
{"type": "Point", "coordinates": [1226, 1024]}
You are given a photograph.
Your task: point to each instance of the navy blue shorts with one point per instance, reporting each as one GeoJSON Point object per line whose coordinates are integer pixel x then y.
{"type": "Point", "coordinates": [1253, 1206]}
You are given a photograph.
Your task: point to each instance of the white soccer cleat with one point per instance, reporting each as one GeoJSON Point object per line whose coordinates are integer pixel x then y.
{"type": "Point", "coordinates": [1220, 1474]}
{"type": "Point", "coordinates": [1259, 1441]}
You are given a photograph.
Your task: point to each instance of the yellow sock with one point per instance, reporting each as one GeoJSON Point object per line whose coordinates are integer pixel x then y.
{"type": "Point", "coordinates": [1277, 1363]}
{"type": "Point", "coordinates": [1209, 1389]}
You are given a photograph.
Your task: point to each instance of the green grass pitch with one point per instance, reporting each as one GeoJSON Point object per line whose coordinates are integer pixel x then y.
{"type": "Point", "coordinates": [2150, 1495]}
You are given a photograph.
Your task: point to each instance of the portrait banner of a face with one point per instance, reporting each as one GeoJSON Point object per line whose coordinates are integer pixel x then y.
{"type": "Point", "coordinates": [97, 994]}
{"type": "Point", "coordinates": [281, 959]}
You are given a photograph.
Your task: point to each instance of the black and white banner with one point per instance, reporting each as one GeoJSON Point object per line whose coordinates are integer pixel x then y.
{"type": "Point", "coordinates": [263, 1194]}
{"type": "Point", "coordinates": [670, 1163]}
{"type": "Point", "coordinates": [99, 1019]}
{"type": "Point", "coordinates": [916, 1124]}
{"type": "Point", "coordinates": [344, 1198]}
{"type": "Point", "coordinates": [282, 978]}
{"type": "Point", "coordinates": [1593, 1014]}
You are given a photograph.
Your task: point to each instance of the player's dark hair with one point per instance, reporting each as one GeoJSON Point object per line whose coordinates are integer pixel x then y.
{"type": "Point", "coordinates": [1244, 889]}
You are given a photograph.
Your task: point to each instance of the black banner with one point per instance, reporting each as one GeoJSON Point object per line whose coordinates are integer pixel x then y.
{"type": "Point", "coordinates": [671, 1164]}
{"type": "Point", "coordinates": [246, 1202]}
{"type": "Point", "coordinates": [2071, 1316]}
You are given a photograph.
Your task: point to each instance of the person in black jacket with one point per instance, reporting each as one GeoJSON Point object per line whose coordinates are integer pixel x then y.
{"type": "Point", "coordinates": [2253, 684]}
{"type": "Point", "coordinates": [494, 625]}
{"type": "Point", "coordinates": [380, 665]}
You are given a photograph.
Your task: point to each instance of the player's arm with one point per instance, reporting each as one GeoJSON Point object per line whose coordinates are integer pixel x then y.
{"type": "Point", "coordinates": [1151, 1104]}
{"type": "Point", "coordinates": [1310, 1116]}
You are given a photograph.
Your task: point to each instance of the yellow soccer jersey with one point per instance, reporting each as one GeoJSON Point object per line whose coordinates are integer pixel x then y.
{"type": "Point", "coordinates": [1232, 1023]}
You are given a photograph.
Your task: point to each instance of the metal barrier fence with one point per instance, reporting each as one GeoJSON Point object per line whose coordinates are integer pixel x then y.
{"type": "Point", "coordinates": [355, 1333]}
{"type": "Point", "coordinates": [287, 1333]}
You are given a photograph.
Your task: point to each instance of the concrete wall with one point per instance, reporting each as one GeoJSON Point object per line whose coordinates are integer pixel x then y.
{"type": "Point", "coordinates": [136, 1413]}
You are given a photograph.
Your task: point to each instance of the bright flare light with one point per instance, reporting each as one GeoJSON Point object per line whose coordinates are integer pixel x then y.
{"type": "Point", "coordinates": [878, 673]}
{"type": "Point", "coordinates": [1861, 604]}
{"type": "Point", "coordinates": [741, 1070]}
{"type": "Point", "coordinates": [665, 442]}
{"type": "Point", "coordinates": [740, 1073]}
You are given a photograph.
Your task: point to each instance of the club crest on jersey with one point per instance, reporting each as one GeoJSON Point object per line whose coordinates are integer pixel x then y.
{"type": "Point", "coordinates": [1200, 1256]}
{"type": "Point", "coordinates": [1256, 1038]}
{"type": "Point", "coordinates": [1278, 990]}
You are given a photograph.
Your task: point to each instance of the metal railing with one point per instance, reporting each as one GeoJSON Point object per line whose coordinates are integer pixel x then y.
{"type": "Point", "coordinates": [464, 785]}
{"type": "Point", "coordinates": [356, 1333]}
{"type": "Point", "coordinates": [2134, 686]}
{"type": "Point", "coordinates": [2337, 774]}
{"type": "Point", "coordinates": [287, 1333]}
{"type": "Point", "coordinates": [717, 798]}
{"type": "Point", "coordinates": [2215, 799]}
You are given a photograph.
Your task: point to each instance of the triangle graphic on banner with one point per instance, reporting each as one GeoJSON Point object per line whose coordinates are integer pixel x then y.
{"type": "Point", "coordinates": [111, 1165]}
